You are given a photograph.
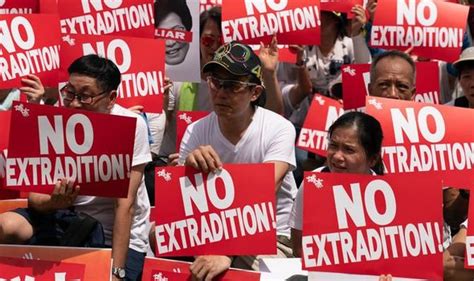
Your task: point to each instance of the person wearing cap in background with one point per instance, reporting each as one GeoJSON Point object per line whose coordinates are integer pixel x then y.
{"type": "Point", "coordinates": [239, 130]}
{"type": "Point", "coordinates": [465, 67]}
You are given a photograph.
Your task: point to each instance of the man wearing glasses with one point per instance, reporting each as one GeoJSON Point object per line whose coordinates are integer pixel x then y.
{"type": "Point", "coordinates": [239, 130]}
{"type": "Point", "coordinates": [92, 86]}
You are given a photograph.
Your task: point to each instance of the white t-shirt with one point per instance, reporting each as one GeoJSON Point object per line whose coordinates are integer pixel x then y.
{"type": "Point", "coordinates": [269, 137]}
{"type": "Point", "coordinates": [103, 209]}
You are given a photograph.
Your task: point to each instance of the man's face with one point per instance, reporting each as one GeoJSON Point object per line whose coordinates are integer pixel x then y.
{"type": "Point", "coordinates": [231, 95]}
{"type": "Point", "coordinates": [94, 98]}
{"type": "Point", "coordinates": [466, 80]}
{"type": "Point", "coordinates": [393, 79]}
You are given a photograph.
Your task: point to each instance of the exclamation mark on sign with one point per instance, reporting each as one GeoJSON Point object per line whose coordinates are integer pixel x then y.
{"type": "Point", "coordinates": [161, 85]}
{"type": "Point", "coordinates": [316, 12]}
{"type": "Point", "coordinates": [438, 236]}
{"type": "Point", "coordinates": [272, 214]}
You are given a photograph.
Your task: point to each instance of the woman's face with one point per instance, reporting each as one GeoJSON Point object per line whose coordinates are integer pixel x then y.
{"type": "Point", "coordinates": [345, 153]}
{"type": "Point", "coordinates": [210, 40]}
{"type": "Point", "coordinates": [175, 51]}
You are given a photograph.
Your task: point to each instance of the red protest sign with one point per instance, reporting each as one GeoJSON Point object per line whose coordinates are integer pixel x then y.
{"type": "Point", "coordinates": [356, 79]}
{"type": "Point", "coordinates": [216, 213]}
{"type": "Point", "coordinates": [96, 262]}
{"type": "Point", "coordinates": [163, 269]}
{"type": "Point", "coordinates": [142, 71]}
{"type": "Point", "coordinates": [183, 120]}
{"type": "Point", "coordinates": [5, 117]}
{"type": "Point", "coordinates": [48, 6]}
{"type": "Point", "coordinates": [372, 226]}
{"type": "Point", "coordinates": [427, 82]}
{"type": "Point", "coordinates": [342, 6]}
{"type": "Point", "coordinates": [207, 4]}
{"type": "Point", "coordinates": [39, 270]}
{"type": "Point", "coordinates": [321, 114]}
{"type": "Point", "coordinates": [435, 29]}
{"type": "Point", "coordinates": [124, 17]}
{"type": "Point", "coordinates": [252, 21]}
{"type": "Point", "coordinates": [19, 7]}
{"type": "Point", "coordinates": [66, 143]}
{"type": "Point", "coordinates": [29, 45]}
{"type": "Point", "coordinates": [426, 138]}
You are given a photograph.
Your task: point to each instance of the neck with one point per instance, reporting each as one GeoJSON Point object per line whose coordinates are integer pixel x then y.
{"type": "Point", "coordinates": [233, 128]}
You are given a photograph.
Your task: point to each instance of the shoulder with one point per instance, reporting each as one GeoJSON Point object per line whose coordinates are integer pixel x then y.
{"type": "Point", "coordinates": [121, 111]}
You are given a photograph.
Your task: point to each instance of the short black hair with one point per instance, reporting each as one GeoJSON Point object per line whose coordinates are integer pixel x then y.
{"type": "Point", "coordinates": [215, 14]}
{"type": "Point", "coordinates": [369, 132]}
{"type": "Point", "coordinates": [179, 7]}
{"type": "Point", "coordinates": [102, 69]}
{"type": "Point", "coordinates": [392, 54]}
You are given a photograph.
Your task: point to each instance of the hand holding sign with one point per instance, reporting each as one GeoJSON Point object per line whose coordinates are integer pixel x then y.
{"type": "Point", "coordinates": [64, 194]}
{"type": "Point", "coordinates": [208, 267]}
{"type": "Point", "coordinates": [205, 159]}
{"type": "Point", "coordinates": [33, 88]}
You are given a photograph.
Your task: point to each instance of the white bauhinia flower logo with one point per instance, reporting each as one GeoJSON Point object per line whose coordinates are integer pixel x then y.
{"type": "Point", "coordinates": [314, 180]}
{"type": "Point", "coordinates": [163, 174]}
{"type": "Point", "coordinates": [186, 118]}
{"type": "Point", "coordinates": [349, 70]}
{"type": "Point", "coordinates": [25, 112]}
{"type": "Point", "coordinates": [319, 99]}
{"type": "Point", "coordinates": [68, 39]}
{"type": "Point", "coordinates": [375, 103]}
{"type": "Point", "coordinates": [159, 277]}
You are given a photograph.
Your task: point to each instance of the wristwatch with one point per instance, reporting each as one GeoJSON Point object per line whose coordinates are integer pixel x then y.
{"type": "Point", "coordinates": [118, 272]}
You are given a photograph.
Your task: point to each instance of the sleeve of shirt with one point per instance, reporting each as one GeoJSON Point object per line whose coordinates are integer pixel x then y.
{"type": "Point", "coordinates": [188, 144]}
{"type": "Point", "coordinates": [282, 143]}
{"type": "Point", "coordinates": [296, 215]}
{"type": "Point", "coordinates": [141, 149]}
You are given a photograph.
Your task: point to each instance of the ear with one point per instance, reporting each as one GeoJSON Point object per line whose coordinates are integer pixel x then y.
{"type": "Point", "coordinates": [373, 160]}
{"type": "Point", "coordinates": [369, 88]}
{"type": "Point", "coordinates": [112, 99]}
{"type": "Point", "coordinates": [413, 92]}
{"type": "Point", "coordinates": [256, 92]}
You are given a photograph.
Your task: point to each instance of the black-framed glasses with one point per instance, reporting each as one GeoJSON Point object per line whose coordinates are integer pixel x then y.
{"type": "Point", "coordinates": [230, 85]}
{"type": "Point", "coordinates": [69, 95]}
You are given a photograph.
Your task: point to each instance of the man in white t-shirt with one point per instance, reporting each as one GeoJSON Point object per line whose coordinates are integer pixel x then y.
{"type": "Point", "coordinates": [240, 131]}
{"type": "Point", "coordinates": [92, 86]}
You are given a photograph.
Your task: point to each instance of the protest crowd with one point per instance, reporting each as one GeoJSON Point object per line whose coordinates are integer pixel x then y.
{"type": "Point", "coordinates": [236, 140]}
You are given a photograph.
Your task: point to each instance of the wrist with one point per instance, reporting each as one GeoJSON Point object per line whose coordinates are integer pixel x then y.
{"type": "Point", "coordinates": [118, 272]}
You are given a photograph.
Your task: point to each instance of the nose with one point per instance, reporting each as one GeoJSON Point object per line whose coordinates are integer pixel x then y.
{"type": "Point", "coordinates": [392, 92]}
{"type": "Point", "coordinates": [169, 43]}
{"type": "Point", "coordinates": [338, 156]}
{"type": "Point", "coordinates": [75, 103]}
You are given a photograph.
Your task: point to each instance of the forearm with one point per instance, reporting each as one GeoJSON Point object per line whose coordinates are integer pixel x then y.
{"type": "Point", "coordinates": [274, 101]}
{"type": "Point", "coordinates": [361, 50]}
{"type": "Point", "coordinates": [303, 87]}
{"type": "Point", "coordinates": [121, 234]}
{"type": "Point", "coordinates": [41, 202]}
